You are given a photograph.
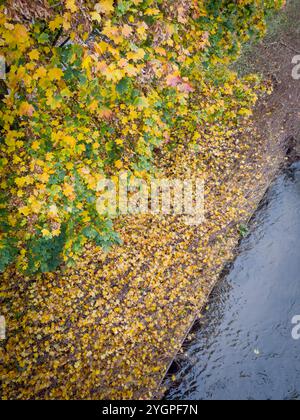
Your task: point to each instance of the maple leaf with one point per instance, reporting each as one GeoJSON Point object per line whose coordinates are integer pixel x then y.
{"type": "Point", "coordinates": [36, 206]}
{"type": "Point", "coordinates": [119, 164]}
{"type": "Point", "coordinates": [68, 191]}
{"type": "Point", "coordinates": [35, 145]}
{"type": "Point", "coordinates": [71, 5]}
{"type": "Point", "coordinates": [69, 141]}
{"type": "Point", "coordinates": [56, 232]}
{"type": "Point", "coordinates": [105, 6]}
{"type": "Point", "coordinates": [56, 23]}
{"type": "Point", "coordinates": [34, 55]}
{"type": "Point", "coordinates": [107, 114]}
{"type": "Point", "coordinates": [53, 211]}
{"type": "Point", "coordinates": [26, 109]}
{"type": "Point", "coordinates": [40, 73]}
{"type": "Point", "coordinates": [119, 142]}
{"type": "Point", "coordinates": [127, 31]}
{"type": "Point", "coordinates": [45, 232]}
{"type": "Point", "coordinates": [21, 33]}
{"type": "Point", "coordinates": [24, 210]}
{"type": "Point", "coordinates": [96, 16]}
{"type": "Point", "coordinates": [136, 55]}
{"type": "Point", "coordinates": [186, 88]}
{"type": "Point", "coordinates": [55, 74]}
{"type": "Point", "coordinates": [67, 21]}
{"type": "Point", "coordinates": [20, 182]}
{"type": "Point", "coordinates": [44, 178]}
{"type": "Point", "coordinates": [173, 80]}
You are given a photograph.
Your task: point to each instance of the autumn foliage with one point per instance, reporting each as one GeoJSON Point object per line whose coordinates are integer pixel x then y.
{"type": "Point", "coordinates": [93, 88]}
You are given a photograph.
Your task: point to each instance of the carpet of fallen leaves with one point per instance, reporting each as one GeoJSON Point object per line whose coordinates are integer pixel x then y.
{"type": "Point", "coordinates": [109, 328]}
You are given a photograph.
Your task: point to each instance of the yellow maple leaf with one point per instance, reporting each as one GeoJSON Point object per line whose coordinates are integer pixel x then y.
{"type": "Point", "coordinates": [127, 31]}
{"type": "Point", "coordinates": [52, 102]}
{"type": "Point", "coordinates": [20, 182]}
{"type": "Point", "coordinates": [21, 34]}
{"type": "Point", "coordinates": [119, 164]}
{"type": "Point", "coordinates": [34, 55]}
{"type": "Point", "coordinates": [44, 178]}
{"type": "Point", "coordinates": [40, 73]}
{"type": "Point", "coordinates": [93, 106]}
{"type": "Point", "coordinates": [36, 206]}
{"type": "Point", "coordinates": [12, 220]}
{"type": "Point", "coordinates": [68, 191]}
{"type": "Point", "coordinates": [131, 70]}
{"type": "Point", "coordinates": [96, 16]}
{"type": "Point", "coordinates": [24, 210]}
{"type": "Point", "coordinates": [71, 5]}
{"type": "Point", "coordinates": [136, 55]}
{"type": "Point", "coordinates": [35, 145]}
{"type": "Point", "coordinates": [105, 6]}
{"type": "Point", "coordinates": [56, 232]}
{"type": "Point", "coordinates": [152, 12]}
{"type": "Point", "coordinates": [45, 232]}
{"type": "Point", "coordinates": [69, 141]}
{"type": "Point", "coordinates": [245, 112]}
{"type": "Point", "coordinates": [119, 142]}
{"type": "Point", "coordinates": [55, 74]}
{"type": "Point", "coordinates": [26, 109]}
{"type": "Point", "coordinates": [67, 25]}
{"type": "Point", "coordinates": [56, 23]}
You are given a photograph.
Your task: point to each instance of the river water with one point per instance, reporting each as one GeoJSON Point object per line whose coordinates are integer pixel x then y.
{"type": "Point", "coordinates": [243, 348]}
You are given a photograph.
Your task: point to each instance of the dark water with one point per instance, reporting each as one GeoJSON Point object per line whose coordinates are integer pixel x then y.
{"type": "Point", "coordinates": [244, 347]}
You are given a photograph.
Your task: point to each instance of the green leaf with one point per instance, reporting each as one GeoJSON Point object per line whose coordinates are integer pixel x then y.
{"type": "Point", "coordinates": [123, 86]}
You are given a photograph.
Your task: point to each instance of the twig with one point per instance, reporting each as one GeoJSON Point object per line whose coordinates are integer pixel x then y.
{"type": "Point", "coordinates": [57, 37]}
{"type": "Point", "coordinates": [289, 47]}
{"type": "Point", "coordinates": [64, 42]}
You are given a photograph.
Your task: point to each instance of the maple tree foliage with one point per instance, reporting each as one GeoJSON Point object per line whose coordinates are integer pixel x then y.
{"type": "Point", "coordinates": [93, 88]}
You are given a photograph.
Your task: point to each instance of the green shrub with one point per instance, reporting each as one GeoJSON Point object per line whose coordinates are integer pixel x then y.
{"type": "Point", "coordinates": [96, 89]}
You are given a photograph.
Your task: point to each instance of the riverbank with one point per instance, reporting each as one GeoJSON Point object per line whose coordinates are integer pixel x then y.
{"type": "Point", "coordinates": [109, 328]}
{"type": "Point", "coordinates": [275, 120]}
{"type": "Point", "coordinates": [245, 345]}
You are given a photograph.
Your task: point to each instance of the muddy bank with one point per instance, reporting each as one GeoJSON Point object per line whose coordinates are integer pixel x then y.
{"type": "Point", "coordinates": [277, 119]}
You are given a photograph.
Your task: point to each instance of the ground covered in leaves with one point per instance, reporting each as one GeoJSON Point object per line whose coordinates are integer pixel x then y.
{"type": "Point", "coordinates": [110, 327]}
{"type": "Point", "coordinates": [107, 329]}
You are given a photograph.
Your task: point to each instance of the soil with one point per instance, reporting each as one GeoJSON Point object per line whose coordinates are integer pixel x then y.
{"type": "Point", "coordinates": [277, 118]}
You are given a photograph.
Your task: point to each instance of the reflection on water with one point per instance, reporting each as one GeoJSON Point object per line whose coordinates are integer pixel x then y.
{"type": "Point", "coordinates": [244, 347]}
